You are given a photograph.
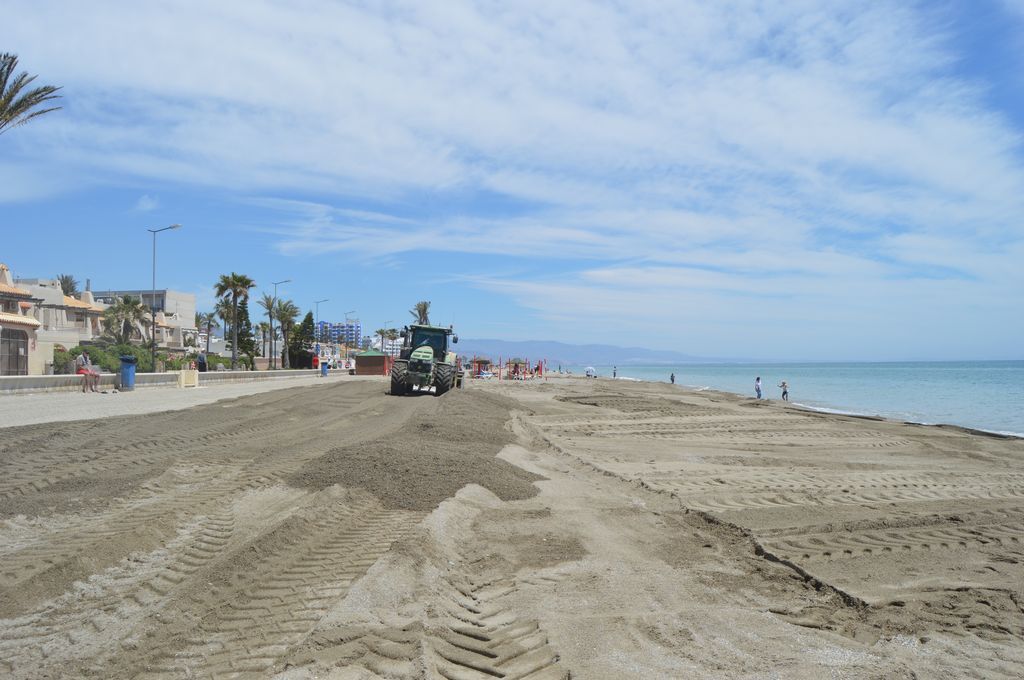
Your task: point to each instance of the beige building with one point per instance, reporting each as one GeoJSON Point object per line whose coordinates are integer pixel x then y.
{"type": "Point", "coordinates": [65, 320]}
{"type": "Point", "coordinates": [19, 343]}
{"type": "Point", "coordinates": [175, 314]}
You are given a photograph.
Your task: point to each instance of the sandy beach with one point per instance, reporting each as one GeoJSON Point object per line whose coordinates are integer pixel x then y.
{"type": "Point", "coordinates": [567, 528]}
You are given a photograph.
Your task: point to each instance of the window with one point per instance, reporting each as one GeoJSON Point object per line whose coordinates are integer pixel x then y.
{"type": "Point", "coordinates": [13, 352]}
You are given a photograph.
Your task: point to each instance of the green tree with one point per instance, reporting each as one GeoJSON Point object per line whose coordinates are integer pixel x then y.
{"type": "Point", "coordinates": [263, 332]}
{"type": "Point", "coordinates": [246, 334]}
{"type": "Point", "coordinates": [268, 302]}
{"type": "Point", "coordinates": [121, 319]}
{"type": "Point", "coordinates": [17, 102]}
{"type": "Point", "coordinates": [223, 311]}
{"type": "Point", "coordinates": [207, 320]}
{"type": "Point", "coordinates": [234, 287]}
{"type": "Point", "coordinates": [286, 313]}
{"type": "Point", "coordinates": [301, 343]}
{"type": "Point", "coordinates": [68, 284]}
{"type": "Point", "coordinates": [391, 334]}
{"type": "Point", "coordinates": [421, 312]}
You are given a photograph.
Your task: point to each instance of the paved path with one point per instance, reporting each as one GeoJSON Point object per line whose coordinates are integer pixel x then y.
{"type": "Point", "coordinates": [48, 407]}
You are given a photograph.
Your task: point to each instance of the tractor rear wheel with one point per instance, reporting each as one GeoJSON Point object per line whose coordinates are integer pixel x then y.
{"type": "Point", "coordinates": [444, 374]}
{"type": "Point", "coordinates": [399, 378]}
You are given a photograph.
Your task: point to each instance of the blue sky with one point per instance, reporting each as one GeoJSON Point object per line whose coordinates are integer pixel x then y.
{"type": "Point", "coordinates": [779, 180]}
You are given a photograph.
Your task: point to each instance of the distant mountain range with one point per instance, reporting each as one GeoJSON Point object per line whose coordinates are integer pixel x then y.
{"type": "Point", "coordinates": [574, 355]}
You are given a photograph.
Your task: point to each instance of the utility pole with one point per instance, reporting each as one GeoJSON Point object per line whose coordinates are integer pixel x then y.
{"type": "Point", "coordinates": [152, 301]}
{"type": "Point", "coordinates": [317, 304]}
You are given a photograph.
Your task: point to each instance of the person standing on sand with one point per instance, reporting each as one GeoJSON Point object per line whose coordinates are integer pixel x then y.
{"type": "Point", "coordinates": [785, 390]}
{"type": "Point", "coordinates": [757, 387]}
{"type": "Point", "coordinates": [672, 378]}
{"type": "Point", "coordinates": [615, 371]}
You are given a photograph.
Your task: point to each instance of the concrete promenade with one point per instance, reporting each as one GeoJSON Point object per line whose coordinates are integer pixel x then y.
{"type": "Point", "coordinates": [48, 407]}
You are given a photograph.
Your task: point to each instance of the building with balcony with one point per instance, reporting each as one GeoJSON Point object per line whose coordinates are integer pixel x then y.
{"type": "Point", "coordinates": [19, 343]}
{"type": "Point", "coordinates": [348, 332]}
{"type": "Point", "coordinates": [175, 314]}
{"type": "Point", "coordinates": [65, 320]}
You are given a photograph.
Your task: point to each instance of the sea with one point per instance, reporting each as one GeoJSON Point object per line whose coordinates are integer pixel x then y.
{"type": "Point", "coordinates": [984, 395]}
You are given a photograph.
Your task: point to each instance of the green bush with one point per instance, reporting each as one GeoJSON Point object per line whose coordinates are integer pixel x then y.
{"type": "Point", "coordinates": [213, 361]}
{"type": "Point", "coordinates": [107, 357]}
{"type": "Point", "coordinates": [62, 362]}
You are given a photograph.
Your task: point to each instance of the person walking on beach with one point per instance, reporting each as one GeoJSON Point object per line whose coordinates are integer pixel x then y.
{"type": "Point", "coordinates": [672, 378]}
{"type": "Point", "coordinates": [615, 371]}
{"type": "Point", "coordinates": [785, 390]}
{"type": "Point", "coordinates": [757, 387]}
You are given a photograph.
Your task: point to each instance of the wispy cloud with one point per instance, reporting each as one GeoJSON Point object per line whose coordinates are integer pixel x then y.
{"type": "Point", "coordinates": [724, 161]}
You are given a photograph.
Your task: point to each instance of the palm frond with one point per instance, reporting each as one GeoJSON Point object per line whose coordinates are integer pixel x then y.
{"type": "Point", "coordinates": [18, 105]}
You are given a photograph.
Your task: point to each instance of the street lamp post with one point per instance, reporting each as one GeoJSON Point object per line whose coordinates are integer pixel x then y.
{"type": "Point", "coordinates": [382, 337]}
{"type": "Point", "coordinates": [317, 304]}
{"type": "Point", "coordinates": [273, 351]}
{"type": "Point", "coordinates": [351, 311]}
{"type": "Point", "coordinates": [152, 308]}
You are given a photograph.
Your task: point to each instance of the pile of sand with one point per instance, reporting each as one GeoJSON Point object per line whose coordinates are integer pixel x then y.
{"type": "Point", "coordinates": [448, 444]}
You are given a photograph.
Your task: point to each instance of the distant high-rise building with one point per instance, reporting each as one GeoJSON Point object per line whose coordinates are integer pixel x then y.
{"type": "Point", "coordinates": [348, 332]}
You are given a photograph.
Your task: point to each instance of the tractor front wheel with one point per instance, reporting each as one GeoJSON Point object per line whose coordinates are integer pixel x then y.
{"type": "Point", "coordinates": [444, 374]}
{"type": "Point", "coordinates": [399, 378]}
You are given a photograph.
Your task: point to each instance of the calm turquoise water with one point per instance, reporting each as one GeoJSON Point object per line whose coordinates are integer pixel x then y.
{"type": "Point", "coordinates": [987, 395]}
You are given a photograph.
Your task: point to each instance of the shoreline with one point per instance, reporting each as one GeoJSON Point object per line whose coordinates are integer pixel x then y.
{"type": "Point", "coordinates": [834, 410]}
{"type": "Point", "coordinates": [854, 414]}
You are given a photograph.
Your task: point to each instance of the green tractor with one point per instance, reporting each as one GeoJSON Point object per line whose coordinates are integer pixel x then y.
{"type": "Point", "coordinates": [425, 361]}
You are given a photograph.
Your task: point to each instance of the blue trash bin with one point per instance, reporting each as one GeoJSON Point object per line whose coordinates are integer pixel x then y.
{"type": "Point", "coordinates": [324, 368]}
{"type": "Point", "coordinates": [128, 373]}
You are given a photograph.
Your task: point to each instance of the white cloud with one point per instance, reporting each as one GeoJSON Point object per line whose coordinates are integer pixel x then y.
{"type": "Point", "coordinates": [712, 153]}
{"type": "Point", "coordinates": [146, 203]}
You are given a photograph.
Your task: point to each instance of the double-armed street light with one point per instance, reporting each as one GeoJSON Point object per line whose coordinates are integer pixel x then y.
{"type": "Point", "coordinates": [152, 308]}
{"type": "Point", "coordinates": [273, 351]}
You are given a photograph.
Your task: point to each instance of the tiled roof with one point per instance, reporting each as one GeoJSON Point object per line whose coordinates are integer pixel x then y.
{"type": "Point", "coordinates": [78, 304]}
{"type": "Point", "coordinates": [18, 319]}
{"type": "Point", "coordinates": [14, 290]}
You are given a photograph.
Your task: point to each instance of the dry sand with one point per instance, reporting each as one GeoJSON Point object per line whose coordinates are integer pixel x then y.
{"type": "Point", "coordinates": [572, 528]}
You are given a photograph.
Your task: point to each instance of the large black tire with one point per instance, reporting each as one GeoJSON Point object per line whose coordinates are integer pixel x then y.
{"type": "Point", "coordinates": [444, 375]}
{"type": "Point", "coordinates": [399, 378]}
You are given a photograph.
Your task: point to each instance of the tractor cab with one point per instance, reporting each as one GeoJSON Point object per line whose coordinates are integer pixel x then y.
{"type": "Point", "coordinates": [434, 337]}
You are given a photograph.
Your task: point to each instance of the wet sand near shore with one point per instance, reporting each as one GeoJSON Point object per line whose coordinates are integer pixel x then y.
{"type": "Point", "coordinates": [550, 529]}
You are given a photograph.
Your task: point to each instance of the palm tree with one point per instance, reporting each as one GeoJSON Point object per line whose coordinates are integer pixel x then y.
{"type": "Point", "coordinates": [122, 318]}
{"type": "Point", "coordinates": [391, 334]}
{"type": "Point", "coordinates": [15, 105]}
{"type": "Point", "coordinates": [223, 311]}
{"type": "Point", "coordinates": [234, 287]}
{"type": "Point", "coordinates": [421, 312]}
{"type": "Point", "coordinates": [286, 313]}
{"type": "Point", "coordinates": [268, 302]}
{"type": "Point", "coordinates": [263, 328]}
{"type": "Point", "coordinates": [68, 284]}
{"type": "Point", "coordinates": [382, 332]}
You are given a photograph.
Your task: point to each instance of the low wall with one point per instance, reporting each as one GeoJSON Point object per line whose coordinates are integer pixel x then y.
{"type": "Point", "coordinates": [24, 384]}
